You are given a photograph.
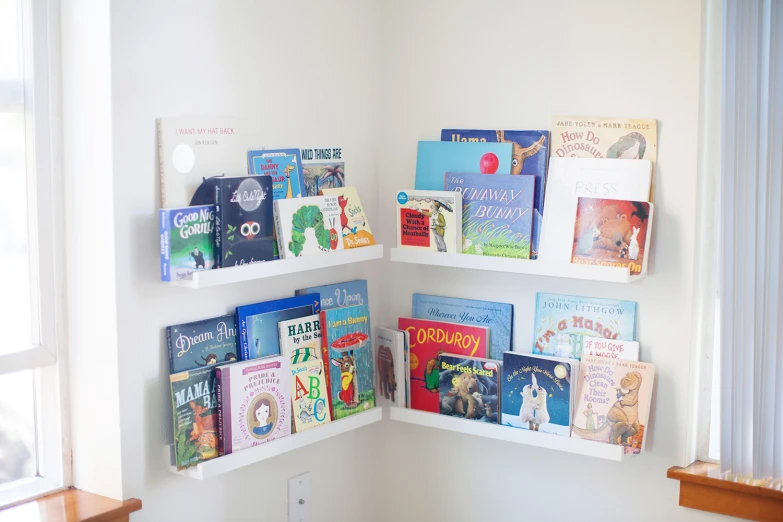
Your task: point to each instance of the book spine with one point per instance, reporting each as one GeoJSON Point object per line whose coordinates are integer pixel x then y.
{"type": "Point", "coordinates": [243, 338]}
{"type": "Point", "coordinates": [171, 349]}
{"type": "Point", "coordinates": [161, 161]}
{"type": "Point", "coordinates": [218, 228]}
{"type": "Point", "coordinates": [165, 252]}
{"type": "Point", "coordinates": [222, 383]}
{"type": "Point", "coordinates": [278, 231]}
{"type": "Point", "coordinates": [325, 357]}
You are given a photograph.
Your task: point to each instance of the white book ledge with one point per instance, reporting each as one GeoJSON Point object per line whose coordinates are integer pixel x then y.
{"type": "Point", "coordinates": [509, 434]}
{"type": "Point", "coordinates": [246, 457]}
{"type": "Point", "coordinates": [609, 274]}
{"type": "Point", "coordinates": [237, 274]}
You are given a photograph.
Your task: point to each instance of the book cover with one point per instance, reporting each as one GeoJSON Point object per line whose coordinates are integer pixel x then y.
{"type": "Point", "coordinates": [569, 179]}
{"type": "Point", "coordinates": [354, 226]}
{"type": "Point", "coordinates": [349, 293]}
{"type": "Point", "coordinates": [429, 220]}
{"type": "Point", "coordinates": [435, 158]}
{"type": "Point", "coordinates": [498, 317]}
{"type": "Point", "coordinates": [187, 241]}
{"type": "Point", "coordinates": [201, 343]}
{"type": "Point", "coordinates": [347, 352]}
{"type": "Point", "coordinates": [611, 232]}
{"type": "Point", "coordinates": [283, 166]}
{"type": "Point", "coordinates": [243, 221]}
{"type": "Point", "coordinates": [469, 387]}
{"type": "Point", "coordinates": [300, 338]}
{"type": "Point", "coordinates": [429, 339]}
{"type": "Point", "coordinates": [322, 169]}
{"type": "Point", "coordinates": [257, 323]}
{"type": "Point", "coordinates": [307, 226]}
{"type": "Point", "coordinates": [537, 393]}
{"type": "Point", "coordinates": [560, 317]}
{"type": "Point", "coordinates": [497, 213]}
{"type": "Point", "coordinates": [191, 149]}
{"type": "Point", "coordinates": [310, 401]}
{"type": "Point", "coordinates": [254, 400]}
{"type": "Point", "coordinates": [613, 403]}
{"type": "Point", "coordinates": [194, 408]}
{"type": "Point", "coordinates": [529, 155]}
{"type": "Point", "coordinates": [390, 366]}
{"type": "Point", "coordinates": [608, 348]}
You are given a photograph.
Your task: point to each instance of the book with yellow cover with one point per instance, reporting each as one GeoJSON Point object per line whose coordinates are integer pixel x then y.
{"type": "Point", "coordinates": [354, 226]}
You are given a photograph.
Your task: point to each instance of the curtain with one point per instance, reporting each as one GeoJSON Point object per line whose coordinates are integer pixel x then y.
{"type": "Point", "coordinates": [750, 268]}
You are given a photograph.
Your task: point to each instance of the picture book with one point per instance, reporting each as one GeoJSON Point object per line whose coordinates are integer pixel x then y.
{"type": "Point", "coordinates": [194, 406]}
{"type": "Point", "coordinates": [354, 226]}
{"type": "Point", "coordinates": [349, 293]}
{"type": "Point", "coordinates": [559, 317]}
{"type": "Point", "coordinates": [309, 399]}
{"type": "Point", "coordinates": [429, 339]}
{"type": "Point", "coordinates": [569, 179]}
{"type": "Point", "coordinates": [390, 366]}
{"type": "Point", "coordinates": [243, 221]}
{"type": "Point", "coordinates": [254, 403]}
{"type": "Point", "coordinates": [497, 213]}
{"type": "Point", "coordinates": [498, 317]}
{"type": "Point", "coordinates": [537, 393]}
{"type": "Point", "coordinates": [257, 323]}
{"type": "Point", "coordinates": [608, 348]}
{"type": "Point", "coordinates": [610, 232]}
{"type": "Point", "coordinates": [187, 241]}
{"type": "Point", "coordinates": [469, 387]}
{"type": "Point", "coordinates": [202, 343]}
{"type": "Point", "coordinates": [300, 338]}
{"type": "Point", "coordinates": [322, 169]}
{"type": "Point", "coordinates": [347, 352]}
{"type": "Point", "coordinates": [283, 166]}
{"type": "Point", "coordinates": [435, 158]}
{"type": "Point", "coordinates": [429, 220]}
{"type": "Point", "coordinates": [307, 226]}
{"type": "Point", "coordinates": [529, 155]}
{"type": "Point", "coordinates": [191, 149]}
{"type": "Point", "coordinates": [613, 403]}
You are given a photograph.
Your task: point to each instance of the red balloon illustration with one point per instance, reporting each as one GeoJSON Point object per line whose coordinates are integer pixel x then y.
{"type": "Point", "coordinates": [489, 163]}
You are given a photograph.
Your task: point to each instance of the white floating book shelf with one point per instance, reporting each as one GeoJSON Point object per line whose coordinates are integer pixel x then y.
{"type": "Point", "coordinates": [238, 274]}
{"type": "Point", "coordinates": [508, 434]}
{"type": "Point", "coordinates": [246, 457]}
{"type": "Point", "coordinates": [607, 274]}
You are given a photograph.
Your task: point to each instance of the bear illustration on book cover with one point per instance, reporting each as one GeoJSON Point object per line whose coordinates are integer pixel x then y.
{"type": "Point", "coordinates": [243, 220]}
{"type": "Point", "coordinates": [469, 387]}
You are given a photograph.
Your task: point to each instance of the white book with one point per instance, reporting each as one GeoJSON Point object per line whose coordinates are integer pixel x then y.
{"type": "Point", "coordinates": [308, 226]}
{"type": "Point", "coordinates": [389, 356]}
{"type": "Point", "coordinates": [569, 179]}
{"type": "Point", "coordinates": [609, 348]}
{"type": "Point", "coordinates": [429, 220]}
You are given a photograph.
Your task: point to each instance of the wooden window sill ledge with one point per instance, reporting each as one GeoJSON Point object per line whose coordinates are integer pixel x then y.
{"type": "Point", "coordinates": [72, 505]}
{"type": "Point", "coordinates": [703, 488]}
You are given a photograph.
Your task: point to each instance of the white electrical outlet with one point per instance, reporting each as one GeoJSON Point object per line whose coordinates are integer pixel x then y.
{"type": "Point", "coordinates": [299, 498]}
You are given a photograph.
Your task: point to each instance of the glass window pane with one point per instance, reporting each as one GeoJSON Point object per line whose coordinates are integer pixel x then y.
{"type": "Point", "coordinates": [17, 427]}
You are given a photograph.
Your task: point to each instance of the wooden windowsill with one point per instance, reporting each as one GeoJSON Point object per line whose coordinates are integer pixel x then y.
{"type": "Point", "coordinates": [701, 487]}
{"type": "Point", "coordinates": [72, 505]}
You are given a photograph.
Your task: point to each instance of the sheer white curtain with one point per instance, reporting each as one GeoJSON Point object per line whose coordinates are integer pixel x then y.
{"type": "Point", "coordinates": [751, 272]}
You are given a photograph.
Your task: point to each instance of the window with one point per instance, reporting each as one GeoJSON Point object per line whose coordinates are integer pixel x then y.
{"type": "Point", "coordinates": [33, 459]}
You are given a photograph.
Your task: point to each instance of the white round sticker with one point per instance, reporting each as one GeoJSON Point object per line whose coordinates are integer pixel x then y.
{"type": "Point", "coordinates": [183, 158]}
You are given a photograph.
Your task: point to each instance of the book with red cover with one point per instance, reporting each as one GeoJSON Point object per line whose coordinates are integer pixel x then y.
{"type": "Point", "coordinates": [429, 339]}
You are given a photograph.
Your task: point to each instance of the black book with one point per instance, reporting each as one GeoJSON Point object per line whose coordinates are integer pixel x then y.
{"type": "Point", "coordinates": [244, 221]}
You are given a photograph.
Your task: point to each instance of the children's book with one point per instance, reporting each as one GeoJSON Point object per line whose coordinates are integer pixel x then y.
{"type": "Point", "coordinates": [537, 392]}
{"type": "Point", "coordinates": [354, 226]}
{"type": "Point", "coordinates": [608, 348]}
{"type": "Point", "coordinates": [322, 169]}
{"type": "Point", "coordinates": [202, 343]}
{"type": "Point", "coordinates": [309, 399]}
{"type": "Point", "coordinates": [254, 403]}
{"type": "Point", "coordinates": [429, 339]}
{"type": "Point", "coordinates": [559, 317]}
{"type": "Point", "coordinates": [390, 366]}
{"type": "Point", "coordinates": [529, 155]}
{"type": "Point", "coordinates": [283, 166]}
{"type": "Point", "coordinates": [498, 317]}
{"type": "Point", "coordinates": [610, 232]}
{"type": "Point", "coordinates": [347, 352]}
{"type": "Point", "coordinates": [469, 387]}
{"type": "Point", "coordinates": [435, 158]}
{"type": "Point", "coordinates": [187, 241]}
{"type": "Point", "coordinates": [349, 293]}
{"type": "Point", "coordinates": [191, 149]}
{"type": "Point", "coordinates": [194, 406]}
{"type": "Point", "coordinates": [300, 339]}
{"type": "Point", "coordinates": [307, 226]}
{"type": "Point", "coordinates": [571, 178]}
{"type": "Point", "coordinates": [257, 323]}
{"type": "Point", "coordinates": [243, 221]}
{"type": "Point", "coordinates": [429, 220]}
{"type": "Point", "coordinates": [613, 403]}
{"type": "Point", "coordinates": [497, 213]}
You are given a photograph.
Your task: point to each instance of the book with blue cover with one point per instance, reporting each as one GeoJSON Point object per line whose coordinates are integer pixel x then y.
{"type": "Point", "coordinates": [530, 154]}
{"type": "Point", "coordinates": [257, 323]}
{"type": "Point", "coordinates": [349, 293]}
{"type": "Point", "coordinates": [497, 213]}
{"type": "Point", "coordinates": [436, 158]}
{"type": "Point", "coordinates": [187, 241]}
{"type": "Point", "coordinates": [202, 343]}
{"type": "Point", "coordinates": [499, 317]}
{"type": "Point", "coordinates": [284, 166]}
